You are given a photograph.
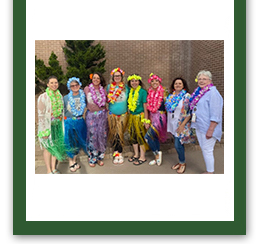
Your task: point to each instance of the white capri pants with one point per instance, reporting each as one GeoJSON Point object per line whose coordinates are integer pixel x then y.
{"type": "Point", "coordinates": [207, 148]}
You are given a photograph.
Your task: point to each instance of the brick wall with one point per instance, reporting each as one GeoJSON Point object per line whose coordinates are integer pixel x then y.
{"type": "Point", "coordinates": [167, 59]}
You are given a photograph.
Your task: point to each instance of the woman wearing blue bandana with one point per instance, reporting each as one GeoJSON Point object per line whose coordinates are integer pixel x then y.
{"type": "Point", "coordinates": [178, 119]}
{"type": "Point", "coordinates": [75, 127]}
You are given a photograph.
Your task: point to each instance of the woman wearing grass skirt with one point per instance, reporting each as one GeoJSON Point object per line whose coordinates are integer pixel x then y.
{"type": "Point", "coordinates": [50, 130]}
{"type": "Point", "coordinates": [96, 119]}
{"type": "Point", "coordinates": [157, 114]}
{"type": "Point", "coordinates": [117, 95]}
{"type": "Point", "coordinates": [138, 119]}
{"type": "Point", "coordinates": [75, 128]}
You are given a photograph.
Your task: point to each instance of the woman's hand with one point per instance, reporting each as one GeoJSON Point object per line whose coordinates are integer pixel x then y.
{"type": "Point", "coordinates": [146, 125]}
{"type": "Point", "coordinates": [209, 133]}
{"type": "Point", "coordinates": [180, 129]}
{"type": "Point", "coordinates": [45, 137]}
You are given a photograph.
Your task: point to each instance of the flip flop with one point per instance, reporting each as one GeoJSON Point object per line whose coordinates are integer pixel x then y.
{"type": "Point", "coordinates": [133, 159]}
{"type": "Point", "coordinates": [140, 162]}
{"type": "Point", "coordinates": [56, 171]}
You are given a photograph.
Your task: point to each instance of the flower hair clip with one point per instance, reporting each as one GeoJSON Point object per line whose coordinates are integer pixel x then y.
{"type": "Point", "coordinates": [71, 80]}
{"type": "Point", "coordinates": [91, 76]}
{"type": "Point", "coordinates": [117, 70]}
{"type": "Point", "coordinates": [136, 77]}
{"type": "Point", "coordinates": [196, 79]}
{"type": "Point", "coordinates": [154, 77]}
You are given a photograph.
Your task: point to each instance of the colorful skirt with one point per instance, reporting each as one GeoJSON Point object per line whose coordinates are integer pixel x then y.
{"type": "Point", "coordinates": [117, 127]}
{"type": "Point", "coordinates": [75, 136]}
{"type": "Point", "coordinates": [55, 143]}
{"type": "Point", "coordinates": [137, 130]}
{"type": "Point", "coordinates": [97, 130]}
{"type": "Point", "coordinates": [159, 125]}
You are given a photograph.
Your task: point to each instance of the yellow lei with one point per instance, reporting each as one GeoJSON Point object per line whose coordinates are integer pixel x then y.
{"type": "Point", "coordinates": [132, 101]}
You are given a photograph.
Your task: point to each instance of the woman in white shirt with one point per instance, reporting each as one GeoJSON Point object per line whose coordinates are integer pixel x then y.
{"type": "Point", "coordinates": [178, 119]}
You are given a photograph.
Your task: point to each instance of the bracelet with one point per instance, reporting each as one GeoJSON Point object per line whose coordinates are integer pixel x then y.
{"type": "Point", "coordinates": [44, 133]}
{"type": "Point", "coordinates": [147, 121]}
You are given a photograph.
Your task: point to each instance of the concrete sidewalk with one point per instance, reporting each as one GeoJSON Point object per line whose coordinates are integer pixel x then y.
{"type": "Point", "coordinates": [194, 164]}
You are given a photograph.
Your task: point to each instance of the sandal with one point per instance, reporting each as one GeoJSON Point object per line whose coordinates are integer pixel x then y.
{"type": "Point", "coordinates": [73, 168]}
{"type": "Point", "coordinates": [140, 162]}
{"type": "Point", "coordinates": [181, 168]}
{"type": "Point", "coordinates": [100, 163]}
{"type": "Point", "coordinates": [56, 171]}
{"type": "Point", "coordinates": [133, 159]}
{"type": "Point", "coordinates": [176, 166]}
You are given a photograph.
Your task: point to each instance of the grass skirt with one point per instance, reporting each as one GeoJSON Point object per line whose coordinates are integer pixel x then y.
{"type": "Point", "coordinates": [97, 130]}
{"type": "Point", "coordinates": [75, 136]}
{"type": "Point", "coordinates": [55, 143]}
{"type": "Point", "coordinates": [159, 125]}
{"type": "Point", "coordinates": [137, 130]}
{"type": "Point", "coordinates": [117, 127]}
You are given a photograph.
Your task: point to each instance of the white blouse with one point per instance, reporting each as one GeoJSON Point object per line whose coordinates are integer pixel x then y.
{"type": "Point", "coordinates": [172, 123]}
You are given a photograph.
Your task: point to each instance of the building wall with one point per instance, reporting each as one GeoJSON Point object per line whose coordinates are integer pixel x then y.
{"type": "Point", "coordinates": [168, 59]}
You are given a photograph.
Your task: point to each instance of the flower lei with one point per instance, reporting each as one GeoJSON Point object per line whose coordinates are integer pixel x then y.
{"type": "Point", "coordinates": [173, 100]}
{"type": "Point", "coordinates": [56, 102]}
{"type": "Point", "coordinates": [136, 77]}
{"type": "Point", "coordinates": [72, 103]}
{"type": "Point", "coordinates": [99, 102]}
{"type": "Point", "coordinates": [113, 94]}
{"type": "Point", "coordinates": [197, 95]}
{"type": "Point", "coordinates": [132, 101]}
{"type": "Point", "coordinates": [117, 70]}
{"type": "Point", "coordinates": [154, 77]}
{"type": "Point", "coordinates": [155, 98]}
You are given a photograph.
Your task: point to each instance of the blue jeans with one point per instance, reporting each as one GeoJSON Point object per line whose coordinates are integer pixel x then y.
{"type": "Point", "coordinates": [180, 149]}
{"type": "Point", "coordinates": [152, 140]}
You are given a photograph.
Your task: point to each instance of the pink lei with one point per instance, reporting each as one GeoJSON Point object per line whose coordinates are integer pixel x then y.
{"type": "Point", "coordinates": [99, 101]}
{"type": "Point", "coordinates": [155, 98]}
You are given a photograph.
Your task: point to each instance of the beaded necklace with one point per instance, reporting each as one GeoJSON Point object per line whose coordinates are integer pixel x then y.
{"type": "Point", "coordinates": [132, 101]}
{"type": "Point", "coordinates": [113, 94]}
{"type": "Point", "coordinates": [56, 102]}
{"type": "Point", "coordinates": [173, 100]}
{"type": "Point", "coordinates": [198, 94]}
{"type": "Point", "coordinates": [154, 98]}
{"type": "Point", "coordinates": [100, 102]}
{"type": "Point", "coordinates": [72, 103]}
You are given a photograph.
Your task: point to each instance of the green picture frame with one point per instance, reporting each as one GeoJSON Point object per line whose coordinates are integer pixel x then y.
{"type": "Point", "coordinates": [23, 227]}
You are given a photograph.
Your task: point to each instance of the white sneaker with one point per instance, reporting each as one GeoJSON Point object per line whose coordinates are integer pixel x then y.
{"type": "Point", "coordinates": [159, 160]}
{"type": "Point", "coordinates": [153, 162]}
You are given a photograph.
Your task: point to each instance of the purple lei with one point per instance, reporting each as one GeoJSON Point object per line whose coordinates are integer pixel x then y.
{"type": "Point", "coordinates": [99, 102]}
{"type": "Point", "coordinates": [197, 95]}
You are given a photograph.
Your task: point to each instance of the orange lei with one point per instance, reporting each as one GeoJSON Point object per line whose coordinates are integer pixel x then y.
{"type": "Point", "coordinates": [112, 96]}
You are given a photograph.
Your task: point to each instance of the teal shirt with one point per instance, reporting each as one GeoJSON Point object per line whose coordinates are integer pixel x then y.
{"type": "Point", "coordinates": [142, 98]}
{"type": "Point", "coordinates": [121, 105]}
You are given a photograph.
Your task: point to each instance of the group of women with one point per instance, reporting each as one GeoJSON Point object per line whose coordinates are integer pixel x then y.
{"type": "Point", "coordinates": [147, 115]}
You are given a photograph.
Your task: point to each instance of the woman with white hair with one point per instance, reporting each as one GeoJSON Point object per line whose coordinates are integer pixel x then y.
{"type": "Point", "coordinates": [206, 104]}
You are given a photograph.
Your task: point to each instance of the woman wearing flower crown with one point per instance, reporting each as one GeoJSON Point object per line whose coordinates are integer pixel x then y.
{"type": "Point", "coordinates": [206, 105]}
{"type": "Point", "coordinates": [178, 120]}
{"type": "Point", "coordinates": [155, 105]}
{"type": "Point", "coordinates": [96, 119]}
{"type": "Point", "coordinates": [50, 130]}
{"type": "Point", "coordinates": [75, 128]}
{"type": "Point", "coordinates": [138, 119]}
{"type": "Point", "coordinates": [118, 112]}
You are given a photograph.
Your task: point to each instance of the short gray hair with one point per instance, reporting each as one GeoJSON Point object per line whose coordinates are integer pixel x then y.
{"type": "Point", "coordinates": [206, 73]}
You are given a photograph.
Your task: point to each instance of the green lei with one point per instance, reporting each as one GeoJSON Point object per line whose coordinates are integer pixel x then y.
{"type": "Point", "coordinates": [56, 102]}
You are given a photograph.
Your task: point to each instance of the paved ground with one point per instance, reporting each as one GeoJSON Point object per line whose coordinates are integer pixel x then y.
{"type": "Point", "coordinates": [194, 161]}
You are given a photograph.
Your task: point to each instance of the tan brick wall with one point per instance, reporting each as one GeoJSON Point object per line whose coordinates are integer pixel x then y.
{"type": "Point", "coordinates": [167, 59]}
